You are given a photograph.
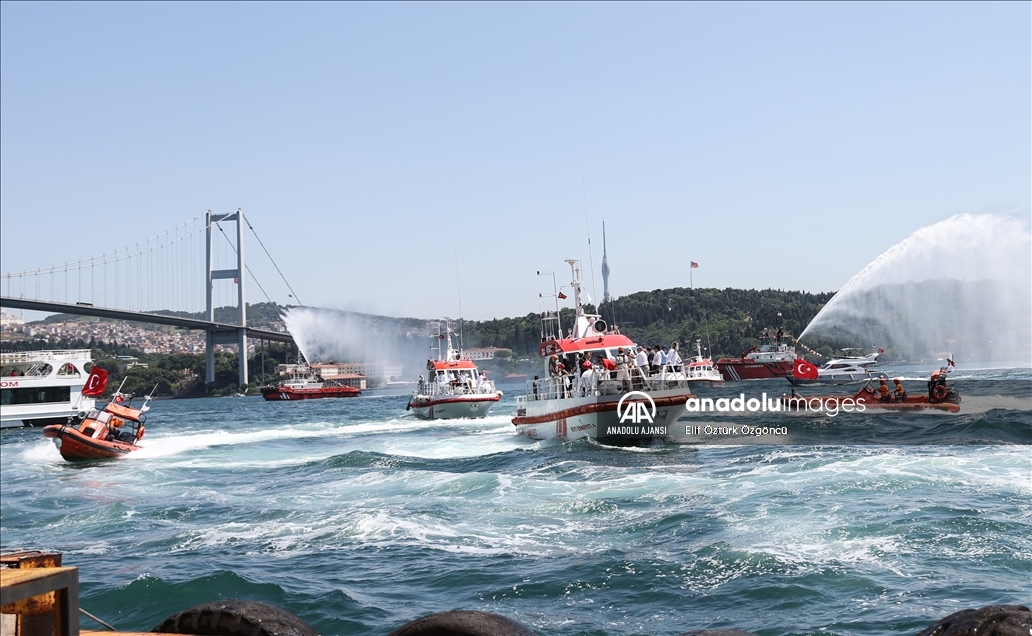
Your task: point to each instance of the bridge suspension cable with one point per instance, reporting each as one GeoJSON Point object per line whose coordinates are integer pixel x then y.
{"type": "Point", "coordinates": [292, 293]}
{"type": "Point", "coordinates": [165, 272]}
{"type": "Point", "coordinates": [72, 265]}
{"type": "Point", "coordinates": [246, 266]}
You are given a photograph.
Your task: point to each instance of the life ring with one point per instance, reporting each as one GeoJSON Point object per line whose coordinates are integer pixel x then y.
{"type": "Point", "coordinates": [939, 392]}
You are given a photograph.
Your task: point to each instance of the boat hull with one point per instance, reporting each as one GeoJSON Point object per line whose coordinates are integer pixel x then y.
{"type": "Point", "coordinates": [76, 447]}
{"type": "Point", "coordinates": [596, 417]}
{"type": "Point", "coordinates": [452, 406]}
{"type": "Point", "coordinates": [286, 393]}
{"type": "Point", "coordinates": [743, 369]}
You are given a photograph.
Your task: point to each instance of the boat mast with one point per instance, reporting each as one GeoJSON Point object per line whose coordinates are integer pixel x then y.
{"type": "Point", "coordinates": [575, 283]}
{"type": "Point", "coordinates": [447, 330]}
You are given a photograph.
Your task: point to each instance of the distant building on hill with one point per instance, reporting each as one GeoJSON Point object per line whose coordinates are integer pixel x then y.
{"type": "Point", "coordinates": [483, 353]}
{"type": "Point", "coordinates": [333, 372]}
{"type": "Point", "coordinates": [10, 322]}
{"type": "Point", "coordinates": [356, 374]}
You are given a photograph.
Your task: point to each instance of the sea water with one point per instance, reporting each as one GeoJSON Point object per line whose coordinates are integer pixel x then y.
{"type": "Point", "coordinates": [358, 517]}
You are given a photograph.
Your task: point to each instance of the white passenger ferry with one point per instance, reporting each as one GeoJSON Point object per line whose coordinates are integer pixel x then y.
{"type": "Point", "coordinates": [43, 387]}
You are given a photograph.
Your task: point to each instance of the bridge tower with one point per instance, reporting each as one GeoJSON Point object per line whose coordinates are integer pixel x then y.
{"type": "Point", "coordinates": [237, 336]}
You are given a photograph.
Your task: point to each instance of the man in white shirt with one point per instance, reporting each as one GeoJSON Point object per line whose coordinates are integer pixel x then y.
{"type": "Point", "coordinates": [641, 360]}
{"type": "Point", "coordinates": [673, 358]}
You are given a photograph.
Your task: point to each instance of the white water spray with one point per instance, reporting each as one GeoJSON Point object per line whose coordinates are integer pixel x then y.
{"type": "Point", "coordinates": [328, 335]}
{"type": "Point", "coordinates": [962, 285]}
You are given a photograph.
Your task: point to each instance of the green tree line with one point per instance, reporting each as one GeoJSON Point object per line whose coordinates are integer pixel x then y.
{"type": "Point", "coordinates": [727, 321]}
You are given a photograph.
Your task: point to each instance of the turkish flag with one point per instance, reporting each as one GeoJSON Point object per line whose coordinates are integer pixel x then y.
{"type": "Point", "coordinates": [562, 296]}
{"type": "Point", "coordinates": [804, 370]}
{"type": "Point", "coordinates": [96, 382]}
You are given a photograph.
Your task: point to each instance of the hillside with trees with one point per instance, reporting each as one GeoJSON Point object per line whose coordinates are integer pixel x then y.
{"type": "Point", "coordinates": [727, 321]}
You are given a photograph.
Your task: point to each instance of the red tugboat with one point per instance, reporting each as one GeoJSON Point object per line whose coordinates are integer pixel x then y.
{"type": "Point", "coordinates": [113, 431]}
{"type": "Point", "coordinates": [307, 385]}
{"type": "Point", "coordinates": [772, 359]}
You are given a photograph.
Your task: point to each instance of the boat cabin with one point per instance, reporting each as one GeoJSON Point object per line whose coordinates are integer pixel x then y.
{"type": "Point", "coordinates": [114, 423]}
{"type": "Point", "coordinates": [450, 376]}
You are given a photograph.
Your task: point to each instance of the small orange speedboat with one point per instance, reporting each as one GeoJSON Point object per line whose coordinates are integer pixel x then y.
{"type": "Point", "coordinates": [113, 431]}
{"type": "Point", "coordinates": [939, 397]}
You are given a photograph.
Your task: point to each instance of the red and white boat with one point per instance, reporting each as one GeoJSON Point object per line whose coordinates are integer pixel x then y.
{"type": "Point", "coordinates": [700, 370]}
{"type": "Point", "coordinates": [455, 387]}
{"type": "Point", "coordinates": [304, 384]}
{"type": "Point", "coordinates": [113, 431]}
{"type": "Point", "coordinates": [608, 400]}
{"type": "Point", "coordinates": [772, 359]}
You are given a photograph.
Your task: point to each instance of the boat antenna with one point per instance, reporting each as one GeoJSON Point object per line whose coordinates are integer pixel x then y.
{"type": "Point", "coordinates": [458, 286]}
{"type": "Point", "coordinates": [587, 227]}
{"type": "Point", "coordinates": [147, 398]}
{"type": "Point", "coordinates": [705, 321]}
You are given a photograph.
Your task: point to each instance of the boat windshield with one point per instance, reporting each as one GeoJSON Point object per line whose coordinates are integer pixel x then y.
{"type": "Point", "coordinates": [101, 416]}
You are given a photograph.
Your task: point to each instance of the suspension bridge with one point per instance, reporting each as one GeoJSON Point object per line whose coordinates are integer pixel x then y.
{"type": "Point", "coordinates": [177, 278]}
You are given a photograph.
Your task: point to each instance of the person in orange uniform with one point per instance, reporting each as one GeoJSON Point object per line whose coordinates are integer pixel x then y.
{"type": "Point", "coordinates": [901, 393]}
{"type": "Point", "coordinates": [883, 390]}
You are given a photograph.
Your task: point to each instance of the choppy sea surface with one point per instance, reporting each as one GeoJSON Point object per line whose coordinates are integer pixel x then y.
{"type": "Point", "coordinates": [358, 518]}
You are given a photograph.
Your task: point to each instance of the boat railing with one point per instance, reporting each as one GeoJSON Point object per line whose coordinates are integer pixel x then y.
{"type": "Point", "coordinates": [670, 376]}
{"type": "Point", "coordinates": [603, 383]}
{"type": "Point", "coordinates": [50, 354]}
{"type": "Point", "coordinates": [466, 387]}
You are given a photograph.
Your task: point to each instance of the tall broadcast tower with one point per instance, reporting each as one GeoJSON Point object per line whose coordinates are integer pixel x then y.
{"type": "Point", "coordinates": [605, 267]}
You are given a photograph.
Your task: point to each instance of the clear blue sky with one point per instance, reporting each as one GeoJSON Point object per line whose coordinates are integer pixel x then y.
{"type": "Point", "coordinates": [778, 145]}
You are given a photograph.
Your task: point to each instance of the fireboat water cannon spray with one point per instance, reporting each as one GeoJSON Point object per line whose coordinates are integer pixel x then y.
{"type": "Point", "coordinates": [584, 325]}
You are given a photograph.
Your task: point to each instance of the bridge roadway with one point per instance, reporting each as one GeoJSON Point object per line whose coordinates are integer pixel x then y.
{"type": "Point", "coordinates": [228, 332]}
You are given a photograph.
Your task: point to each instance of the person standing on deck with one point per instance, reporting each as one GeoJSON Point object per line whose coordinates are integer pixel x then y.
{"type": "Point", "coordinates": [641, 360]}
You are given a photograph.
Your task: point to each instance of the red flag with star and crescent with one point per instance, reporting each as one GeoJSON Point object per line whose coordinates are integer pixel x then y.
{"type": "Point", "coordinates": [96, 382]}
{"type": "Point", "coordinates": [803, 370]}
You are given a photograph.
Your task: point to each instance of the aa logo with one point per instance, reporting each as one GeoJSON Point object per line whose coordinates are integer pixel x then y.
{"type": "Point", "coordinates": [635, 412]}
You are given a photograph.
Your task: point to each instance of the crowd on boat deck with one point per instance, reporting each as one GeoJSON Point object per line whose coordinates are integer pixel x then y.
{"type": "Point", "coordinates": [628, 365]}
{"type": "Point", "coordinates": [455, 381]}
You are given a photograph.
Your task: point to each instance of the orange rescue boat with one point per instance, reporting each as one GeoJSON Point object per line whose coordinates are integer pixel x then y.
{"type": "Point", "coordinates": [939, 397]}
{"type": "Point", "coordinates": [113, 431]}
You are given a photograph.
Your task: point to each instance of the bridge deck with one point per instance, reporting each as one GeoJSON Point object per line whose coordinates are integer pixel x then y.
{"type": "Point", "coordinates": [158, 319]}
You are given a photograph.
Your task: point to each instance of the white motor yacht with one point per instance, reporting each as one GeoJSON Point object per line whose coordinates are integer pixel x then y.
{"type": "Point", "coordinates": [847, 370]}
